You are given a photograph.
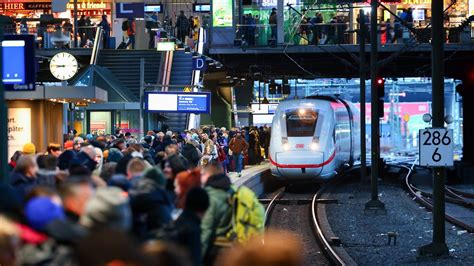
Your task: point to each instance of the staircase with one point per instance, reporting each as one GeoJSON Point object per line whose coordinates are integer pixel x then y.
{"type": "Point", "coordinates": [181, 74]}
{"type": "Point", "coordinates": [125, 66]}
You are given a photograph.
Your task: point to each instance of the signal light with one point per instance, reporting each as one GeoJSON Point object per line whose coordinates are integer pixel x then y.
{"type": "Point", "coordinates": [380, 90]}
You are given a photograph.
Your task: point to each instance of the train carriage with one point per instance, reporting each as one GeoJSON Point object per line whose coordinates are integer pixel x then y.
{"type": "Point", "coordinates": [313, 138]}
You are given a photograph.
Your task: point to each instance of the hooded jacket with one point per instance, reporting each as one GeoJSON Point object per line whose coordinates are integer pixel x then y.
{"type": "Point", "coordinates": [191, 153]}
{"type": "Point", "coordinates": [217, 220]}
{"type": "Point", "coordinates": [151, 206]}
{"type": "Point", "coordinates": [21, 183]}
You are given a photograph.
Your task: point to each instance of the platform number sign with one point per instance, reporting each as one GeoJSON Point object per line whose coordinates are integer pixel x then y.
{"type": "Point", "coordinates": [436, 147]}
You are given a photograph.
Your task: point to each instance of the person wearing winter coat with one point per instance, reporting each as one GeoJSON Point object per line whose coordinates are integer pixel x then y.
{"type": "Point", "coordinates": [189, 223]}
{"type": "Point", "coordinates": [191, 153]}
{"type": "Point", "coordinates": [23, 178]}
{"type": "Point", "coordinates": [217, 220]}
{"type": "Point", "coordinates": [238, 146]}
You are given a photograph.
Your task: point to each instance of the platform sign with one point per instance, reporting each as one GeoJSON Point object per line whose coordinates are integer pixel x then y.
{"type": "Point", "coordinates": [436, 147]}
{"type": "Point", "coordinates": [199, 63]}
{"type": "Point", "coordinates": [130, 10]}
{"type": "Point", "coordinates": [178, 102]}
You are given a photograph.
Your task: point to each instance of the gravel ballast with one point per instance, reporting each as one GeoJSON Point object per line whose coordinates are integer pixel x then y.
{"type": "Point", "coordinates": [364, 235]}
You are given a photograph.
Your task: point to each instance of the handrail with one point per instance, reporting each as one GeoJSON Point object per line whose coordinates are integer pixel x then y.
{"type": "Point", "coordinates": [97, 45]}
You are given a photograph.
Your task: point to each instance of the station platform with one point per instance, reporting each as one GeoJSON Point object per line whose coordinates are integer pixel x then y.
{"type": "Point", "coordinates": [249, 172]}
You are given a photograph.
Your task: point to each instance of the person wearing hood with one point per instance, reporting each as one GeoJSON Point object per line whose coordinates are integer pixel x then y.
{"type": "Point", "coordinates": [191, 153]}
{"type": "Point", "coordinates": [108, 208]}
{"type": "Point", "coordinates": [149, 199]}
{"type": "Point", "coordinates": [217, 220]}
{"type": "Point", "coordinates": [23, 177]}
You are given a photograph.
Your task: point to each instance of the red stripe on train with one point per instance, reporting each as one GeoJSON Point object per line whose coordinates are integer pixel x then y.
{"type": "Point", "coordinates": [304, 165]}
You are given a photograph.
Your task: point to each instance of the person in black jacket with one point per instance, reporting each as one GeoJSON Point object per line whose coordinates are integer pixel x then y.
{"type": "Point", "coordinates": [149, 200]}
{"type": "Point", "coordinates": [23, 177]}
{"type": "Point", "coordinates": [189, 223]}
{"type": "Point", "coordinates": [191, 153]}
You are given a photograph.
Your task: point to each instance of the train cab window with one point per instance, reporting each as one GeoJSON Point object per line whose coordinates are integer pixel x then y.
{"type": "Point", "coordinates": [301, 122]}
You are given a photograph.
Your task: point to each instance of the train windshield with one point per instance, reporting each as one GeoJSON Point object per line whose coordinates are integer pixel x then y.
{"type": "Point", "coordinates": [301, 122]}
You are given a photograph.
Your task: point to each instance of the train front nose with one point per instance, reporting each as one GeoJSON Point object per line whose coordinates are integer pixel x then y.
{"type": "Point", "coordinates": [303, 164]}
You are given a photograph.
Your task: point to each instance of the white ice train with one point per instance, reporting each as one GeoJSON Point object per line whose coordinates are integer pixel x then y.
{"type": "Point", "coordinates": [313, 138]}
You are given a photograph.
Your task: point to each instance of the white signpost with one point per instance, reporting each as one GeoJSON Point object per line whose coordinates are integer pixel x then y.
{"type": "Point", "coordinates": [436, 147]}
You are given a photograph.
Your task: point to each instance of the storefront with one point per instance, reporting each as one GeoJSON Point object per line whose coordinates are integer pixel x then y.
{"type": "Point", "coordinates": [33, 11]}
{"type": "Point", "coordinates": [41, 116]}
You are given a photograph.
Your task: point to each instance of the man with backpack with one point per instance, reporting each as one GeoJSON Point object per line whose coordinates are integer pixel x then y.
{"type": "Point", "coordinates": [233, 216]}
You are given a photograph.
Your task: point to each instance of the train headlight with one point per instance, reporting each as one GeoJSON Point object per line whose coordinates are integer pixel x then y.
{"type": "Point", "coordinates": [314, 146]}
{"type": "Point", "coordinates": [286, 146]}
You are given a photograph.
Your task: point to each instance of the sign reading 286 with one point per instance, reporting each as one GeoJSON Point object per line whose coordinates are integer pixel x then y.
{"type": "Point", "coordinates": [436, 147]}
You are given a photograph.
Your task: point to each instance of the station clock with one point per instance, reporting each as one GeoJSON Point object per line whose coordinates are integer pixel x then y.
{"type": "Point", "coordinates": [63, 66]}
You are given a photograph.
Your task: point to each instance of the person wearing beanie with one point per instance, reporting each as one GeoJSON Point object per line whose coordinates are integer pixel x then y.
{"type": "Point", "coordinates": [68, 145]}
{"type": "Point", "coordinates": [114, 155]}
{"type": "Point", "coordinates": [108, 208]}
{"type": "Point", "coordinates": [29, 149]}
{"type": "Point", "coordinates": [40, 211]}
{"type": "Point", "coordinates": [156, 175]}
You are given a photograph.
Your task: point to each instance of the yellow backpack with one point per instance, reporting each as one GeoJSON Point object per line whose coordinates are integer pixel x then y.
{"type": "Point", "coordinates": [248, 215]}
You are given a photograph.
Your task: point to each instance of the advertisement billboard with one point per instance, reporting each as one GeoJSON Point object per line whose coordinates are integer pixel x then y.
{"type": "Point", "coordinates": [19, 129]}
{"type": "Point", "coordinates": [222, 13]}
{"type": "Point", "coordinates": [178, 102]}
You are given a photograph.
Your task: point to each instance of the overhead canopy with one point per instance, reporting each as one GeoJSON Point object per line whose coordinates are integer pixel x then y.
{"type": "Point", "coordinates": [102, 77]}
{"type": "Point", "coordinates": [78, 95]}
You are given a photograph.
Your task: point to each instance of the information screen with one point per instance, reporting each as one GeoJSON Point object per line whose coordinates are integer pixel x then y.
{"type": "Point", "coordinates": [154, 8]}
{"type": "Point", "coordinates": [13, 61]}
{"type": "Point", "coordinates": [18, 62]}
{"type": "Point", "coordinates": [179, 102]}
{"type": "Point", "coordinates": [202, 7]}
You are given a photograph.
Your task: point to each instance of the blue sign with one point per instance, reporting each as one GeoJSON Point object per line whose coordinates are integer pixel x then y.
{"type": "Point", "coordinates": [130, 10]}
{"type": "Point", "coordinates": [199, 63]}
{"type": "Point", "coordinates": [18, 62]}
{"type": "Point", "coordinates": [178, 102]}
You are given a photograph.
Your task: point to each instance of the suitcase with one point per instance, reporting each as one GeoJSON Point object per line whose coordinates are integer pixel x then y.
{"type": "Point", "coordinates": [122, 45]}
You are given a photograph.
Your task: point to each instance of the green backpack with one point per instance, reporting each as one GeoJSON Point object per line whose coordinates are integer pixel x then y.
{"type": "Point", "coordinates": [248, 215]}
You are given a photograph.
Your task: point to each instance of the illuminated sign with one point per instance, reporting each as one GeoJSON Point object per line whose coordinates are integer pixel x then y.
{"type": "Point", "coordinates": [273, 3]}
{"type": "Point", "coordinates": [222, 13]}
{"type": "Point", "coordinates": [178, 102]}
{"type": "Point", "coordinates": [165, 46]}
{"type": "Point", "coordinates": [416, 2]}
{"type": "Point", "coordinates": [18, 62]}
{"type": "Point", "coordinates": [88, 5]}
{"type": "Point", "coordinates": [202, 7]}
{"type": "Point", "coordinates": [154, 8]}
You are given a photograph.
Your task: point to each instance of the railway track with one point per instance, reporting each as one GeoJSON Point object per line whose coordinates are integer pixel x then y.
{"type": "Point", "coordinates": [459, 205]}
{"type": "Point", "coordinates": [297, 212]}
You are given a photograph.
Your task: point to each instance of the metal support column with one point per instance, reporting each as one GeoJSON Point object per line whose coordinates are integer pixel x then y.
{"type": "Point", "coordinates": [374, 203]}
{"type": "Point", "coordinates": [75, 24]}
{"type": "Point", "coordinates": [3, 125]}
{"type": "Point", "coordinates": [362, 74]}
{"type": "Point", "coordinates": [438, 246]}
{"type": "Point", "coordinates": [142, 90]}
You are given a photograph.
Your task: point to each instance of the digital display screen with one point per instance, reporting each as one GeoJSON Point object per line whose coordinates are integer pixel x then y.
{"type": "Point", "coordinates": [154, 8]}
{"type": "Point", "coordinates": [13, 61]}
{"type": "Point", "coordinates": [419, 14]}
{"type": "Point", "coordinates": [18, 62]}
{"type": "Point", "coordinates": [179, 102]}
{"type": "Point", "coordinates": [202, 8]}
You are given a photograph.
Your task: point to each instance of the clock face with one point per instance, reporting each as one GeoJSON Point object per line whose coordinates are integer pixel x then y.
{"type": "Point", "coordinates": [63, 66]}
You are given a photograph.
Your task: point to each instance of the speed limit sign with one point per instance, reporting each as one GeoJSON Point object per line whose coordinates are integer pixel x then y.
{"type": "Point", "coordinates": [436, 147]}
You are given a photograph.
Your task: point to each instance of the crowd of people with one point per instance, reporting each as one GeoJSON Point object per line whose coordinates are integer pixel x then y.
{"type": "Point", "coordinates": [162, 199]}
